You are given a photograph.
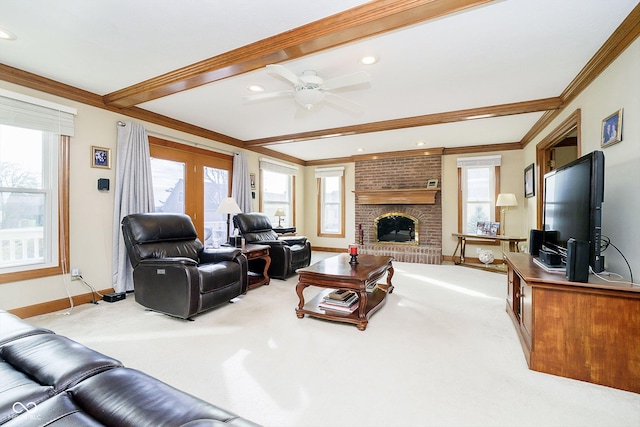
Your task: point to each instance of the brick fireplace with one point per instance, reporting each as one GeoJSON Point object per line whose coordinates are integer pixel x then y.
{"type": "Point", "coordinates": [398, 185]}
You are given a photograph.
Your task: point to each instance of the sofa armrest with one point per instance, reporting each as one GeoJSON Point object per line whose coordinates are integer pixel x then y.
{"type": "Point", "coordinates": [150, 262]}
{"type": "Point", "coordinates": [294, 240]}
{"type": "Point", "coordinates": [210, 255]}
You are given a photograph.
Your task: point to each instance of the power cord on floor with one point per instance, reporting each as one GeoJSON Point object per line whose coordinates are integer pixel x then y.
{"type": "Point", "coordinates": [91, 288]}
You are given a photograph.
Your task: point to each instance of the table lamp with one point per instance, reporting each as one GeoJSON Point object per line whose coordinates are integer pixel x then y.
{"type": "Point", "coordinates": [279, 213]}
{"type": "Point", "coordinates": [505, 200]}
{"type": "Point", "coordinates": [228, 206]}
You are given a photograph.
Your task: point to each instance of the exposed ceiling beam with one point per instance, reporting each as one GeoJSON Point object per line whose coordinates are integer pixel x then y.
{"type": "Point", "coordinates": [534, 106]}
{"type": "Point", "coordinates": [360, 22]}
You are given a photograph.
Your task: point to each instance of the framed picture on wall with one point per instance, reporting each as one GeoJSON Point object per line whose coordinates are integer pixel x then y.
{"type": "Point", "coordinates": [100, 157]}
{"type": "Point", "coordinates": [612, 129]}
{"type": "Point", "coordinates": [529, 181]}
{"type": "Point", "coordinates": [432, 183]}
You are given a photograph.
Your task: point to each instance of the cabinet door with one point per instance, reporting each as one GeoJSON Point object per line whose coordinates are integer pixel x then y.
{"type": "Point", "coordinates": [526, 311]}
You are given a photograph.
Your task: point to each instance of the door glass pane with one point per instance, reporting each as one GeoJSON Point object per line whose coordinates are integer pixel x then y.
{"type": "Point", "coordinates": [216, 188]}
{"type": "Point", "coordinates": [168, 185]}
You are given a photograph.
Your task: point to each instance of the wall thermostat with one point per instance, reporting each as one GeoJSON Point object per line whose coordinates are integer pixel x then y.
{"type": "Point", "coordinates": [103, 184]}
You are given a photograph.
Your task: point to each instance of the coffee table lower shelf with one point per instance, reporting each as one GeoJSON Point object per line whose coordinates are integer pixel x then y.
{"type": "Point", "coordinates": [359, 317]}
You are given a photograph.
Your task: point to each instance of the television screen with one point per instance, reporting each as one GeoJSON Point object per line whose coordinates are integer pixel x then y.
{"type": "Point", "coordinates": [573, 196]}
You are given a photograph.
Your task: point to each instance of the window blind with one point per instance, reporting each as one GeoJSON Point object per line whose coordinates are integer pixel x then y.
{"type": "Point", "coordinates": [272, 166]}
{"type": "Point", "coordinates": [479, 161]}
{"type": "Point", "coordinates": [32, 113]}
{"type": "Point", "coordinates": [329, 172]}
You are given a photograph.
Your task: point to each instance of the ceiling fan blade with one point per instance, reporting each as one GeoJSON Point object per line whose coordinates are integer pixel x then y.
{"type": "Point", "coordinates": [348, 80]}
{"type": "Point", "coordinates": [343, 103]}
{"type": "Point", "coordinates": [284, 72]}
{"type": "Point", "coordinates": [267, 95]}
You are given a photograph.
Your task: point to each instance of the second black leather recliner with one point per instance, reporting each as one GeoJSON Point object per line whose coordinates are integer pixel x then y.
{"type": "Point", "coordinates": [287, 253]}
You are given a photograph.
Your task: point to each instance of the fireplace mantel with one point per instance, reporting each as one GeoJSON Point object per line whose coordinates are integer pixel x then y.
{"type": "Point", "coordinates": [405, 196]}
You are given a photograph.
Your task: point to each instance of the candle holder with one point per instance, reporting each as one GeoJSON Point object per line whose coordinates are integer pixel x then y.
{"type": "Point", "coordinates": [353, 251]}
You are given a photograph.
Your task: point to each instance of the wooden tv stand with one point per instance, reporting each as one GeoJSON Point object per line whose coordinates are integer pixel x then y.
{"type": "Point", "coordinates": [585, 331]}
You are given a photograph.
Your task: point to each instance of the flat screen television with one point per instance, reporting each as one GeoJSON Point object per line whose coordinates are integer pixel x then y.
{"type": "Point", "coordinates": [573, 197]}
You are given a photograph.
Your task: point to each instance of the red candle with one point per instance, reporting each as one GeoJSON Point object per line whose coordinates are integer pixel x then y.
{"type": "Point", "coordinates": [353, 249]}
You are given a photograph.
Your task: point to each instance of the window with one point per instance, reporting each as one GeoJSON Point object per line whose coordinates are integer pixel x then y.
{"type": "Point", "coordinates": [478, 179]}
{"type": "Point", "coordinates": [34, 140]}
{"type": "Point", "coordinates": [192, 181]}
{"type": "Point", "coordinates": [277, 188]}
{"type": "Point", "coordinates": [330, 201]}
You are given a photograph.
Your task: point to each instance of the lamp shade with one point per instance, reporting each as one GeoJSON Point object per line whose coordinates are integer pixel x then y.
{"type": "Point", "coordinates": [279, 212]}
{"type": "Point", "coordinates": [506, 199]}
{"type": "Point", "coordinates": [228, 206]}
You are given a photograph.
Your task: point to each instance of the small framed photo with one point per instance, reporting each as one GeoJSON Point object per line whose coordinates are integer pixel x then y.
{"type": "Point", "coordinates": [529, 181]}
{"type": "Point", "coordinates": [432, 183]}
{"type": "Point", "coordinates": [612, 129]}
{"type": "Point", "coordinates": [487, 228]}
{"type": "Point", "coordinates": [100, 157]}
{"type": "Point", "coordinates": [252, 179]}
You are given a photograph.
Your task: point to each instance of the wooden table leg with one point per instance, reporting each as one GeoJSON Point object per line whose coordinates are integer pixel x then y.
{"type": "Point", "coordinates": [453, 257]}
{"type": "Point", "coordinates": [299, 288]}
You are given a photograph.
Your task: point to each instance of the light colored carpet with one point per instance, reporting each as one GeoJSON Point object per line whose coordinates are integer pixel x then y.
{"type": "Point", "coordinates": [441, 352]}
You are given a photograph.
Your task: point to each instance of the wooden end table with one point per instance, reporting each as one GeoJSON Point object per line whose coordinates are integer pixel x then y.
{"type": "Point", "coordinates": [336, 273]}
{"type": "Point", "coordinates": [254, 252]}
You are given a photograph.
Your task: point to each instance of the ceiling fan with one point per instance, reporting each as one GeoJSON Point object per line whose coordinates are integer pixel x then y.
{"type": "Point", "coordinates": [310, 89]}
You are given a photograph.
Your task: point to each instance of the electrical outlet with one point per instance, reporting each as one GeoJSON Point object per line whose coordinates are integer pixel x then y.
{"type": "Point", "coordinates": [75, 272]}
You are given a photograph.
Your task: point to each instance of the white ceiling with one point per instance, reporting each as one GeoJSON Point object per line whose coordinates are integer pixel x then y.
{"type": "Point", "coordinates": [499, 53]}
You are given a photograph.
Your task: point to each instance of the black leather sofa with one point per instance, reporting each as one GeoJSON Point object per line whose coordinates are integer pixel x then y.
{"type": "Point", "coordinates": [49, 380]}
{"type": "Point", "coordinates": [288, 253]}
{"type": "Point", "coordinates": [173, 273]}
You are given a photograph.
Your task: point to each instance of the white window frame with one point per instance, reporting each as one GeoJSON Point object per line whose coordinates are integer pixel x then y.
{"type": "Point", "coordinates": [288, 205]}
{"type": "Point", "coordinates": [492, 164]}
{"type": "Point", "coordinates": [322, 174]}
{"type": "Point", "coordinates": [56, 122]}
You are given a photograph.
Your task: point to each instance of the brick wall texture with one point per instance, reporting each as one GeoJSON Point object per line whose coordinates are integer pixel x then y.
{"type": "Point", "coordinates": [401, 173]}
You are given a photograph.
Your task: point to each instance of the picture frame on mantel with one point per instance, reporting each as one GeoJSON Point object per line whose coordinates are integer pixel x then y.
{"type": "Point", "coordinates": [611, 129]}
{"type": "Point", "coordinates": [432, 183]}
{"type": "Point", "coordinates": [529, 181]}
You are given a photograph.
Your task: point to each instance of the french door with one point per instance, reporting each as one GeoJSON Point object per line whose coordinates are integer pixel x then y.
{"type": "Point", "coordinates": [192, 181]}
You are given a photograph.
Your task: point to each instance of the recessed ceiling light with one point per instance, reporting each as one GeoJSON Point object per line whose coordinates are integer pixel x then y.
{"type": "Point", "coordinates": [255, 88]}
{"type": "Point", "coordinates": [369, 59]}
{"type": "Point", "coordinates": [360, 149]}
{"type": "Point", "coordinates": [420, 143]}
{"type": "Point", "coordinates": [6, 35]}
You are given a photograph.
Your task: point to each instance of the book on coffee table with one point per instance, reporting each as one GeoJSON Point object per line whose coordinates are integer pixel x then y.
{"type": "Point", "coordinates": [340, 294]}
{"type": "Point", "coordinates": [341, 308]}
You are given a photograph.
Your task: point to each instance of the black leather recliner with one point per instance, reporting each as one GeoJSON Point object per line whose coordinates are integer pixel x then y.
{"type": "Point", "coordinates": [288, 253]}
{"type": "Point", "coordinates": [173, 273]}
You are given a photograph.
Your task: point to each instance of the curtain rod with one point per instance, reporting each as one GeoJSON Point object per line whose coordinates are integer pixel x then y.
{"type": "Point", "coordinates": [183, 141]}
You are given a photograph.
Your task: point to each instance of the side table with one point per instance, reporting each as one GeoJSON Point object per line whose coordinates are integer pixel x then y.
{"type": "Point", "coordinates": [258, 274]}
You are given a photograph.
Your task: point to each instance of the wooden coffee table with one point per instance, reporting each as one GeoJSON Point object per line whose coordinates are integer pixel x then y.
{"type": "Point", "coordinates": [336, 273]}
